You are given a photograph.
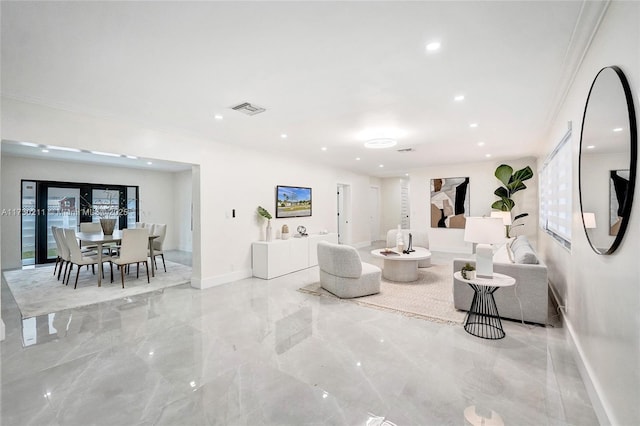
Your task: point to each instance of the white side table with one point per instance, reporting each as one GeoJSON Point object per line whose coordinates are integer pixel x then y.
{"type": "Point", "coordinates": [483, 319]}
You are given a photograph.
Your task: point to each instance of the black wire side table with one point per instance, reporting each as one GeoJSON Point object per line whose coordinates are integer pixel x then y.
{"type": "Point", "coordinates": [483, 319]}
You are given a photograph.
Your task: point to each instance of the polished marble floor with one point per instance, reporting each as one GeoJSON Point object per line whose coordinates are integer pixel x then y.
{"type": "Point", "coordinates": [258, 352]}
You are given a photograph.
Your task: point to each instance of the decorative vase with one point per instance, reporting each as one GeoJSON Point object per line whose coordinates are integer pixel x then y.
{"type": "Point", "coordinates": [285, 232]}
{"type": "Point", "coordinates": [108, 226]}
{"type": "Point", "coordinates": [269, 234]}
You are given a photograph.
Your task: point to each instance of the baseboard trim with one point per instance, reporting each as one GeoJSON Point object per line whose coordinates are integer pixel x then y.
{"type": "Point", "coordinates": [203, 283]}
{"type": "Point", "coordinates": [602, 410]}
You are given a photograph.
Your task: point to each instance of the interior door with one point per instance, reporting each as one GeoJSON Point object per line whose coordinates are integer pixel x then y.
{"type": "Point", "coordinates": [374, 213]}
{"type": "Point", "coordinates": [344, 211]}
{"type": "Point", "coordinates": [404, 204]}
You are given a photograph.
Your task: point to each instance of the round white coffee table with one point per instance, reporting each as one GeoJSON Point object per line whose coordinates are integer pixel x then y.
{"type": "Point", "coordinates": [483, 319]}
{"type": "Point", "coordinates": [399, 266]}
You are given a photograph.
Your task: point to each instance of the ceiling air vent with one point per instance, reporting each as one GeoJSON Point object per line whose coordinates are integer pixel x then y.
{"type": "Point", "coordinates": [406, 150]}
{"type": "Point", "coordinates": [249, 109]}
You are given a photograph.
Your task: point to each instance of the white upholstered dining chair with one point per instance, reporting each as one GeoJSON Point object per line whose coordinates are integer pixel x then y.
{"type": "Point", "coordinates": [161, 231]}
{"type": "Point", "coordinates": [77, 257]}
{"type": "Point", "coordinates": [133, 249]}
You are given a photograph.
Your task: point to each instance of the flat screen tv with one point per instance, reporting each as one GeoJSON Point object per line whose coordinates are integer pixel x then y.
{"type": "Point", "coordinates": [293, 201]}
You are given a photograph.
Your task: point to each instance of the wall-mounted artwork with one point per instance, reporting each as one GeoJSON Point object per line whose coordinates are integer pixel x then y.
{"type": "Point", "coordinates": [449, 202]}
{"type": "Point", "coordinates": [618, 186]}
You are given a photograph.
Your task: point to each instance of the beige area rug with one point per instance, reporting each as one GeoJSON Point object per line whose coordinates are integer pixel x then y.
{"type": "Point", "coordinates": [430, 297]}
{"type": "Point", "coordinates": [38, 292]}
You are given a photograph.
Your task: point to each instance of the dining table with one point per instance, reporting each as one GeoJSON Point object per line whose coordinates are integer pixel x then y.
{"type": "Point", "coordinates": [99, 240]}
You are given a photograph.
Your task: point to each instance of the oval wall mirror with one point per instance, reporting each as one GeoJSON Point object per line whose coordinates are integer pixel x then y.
{"type": "Point", "coordinates": [607, 162]}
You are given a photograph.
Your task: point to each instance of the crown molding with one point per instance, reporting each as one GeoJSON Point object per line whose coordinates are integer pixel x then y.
{"type": "Point", "coordinates": [585, 29]}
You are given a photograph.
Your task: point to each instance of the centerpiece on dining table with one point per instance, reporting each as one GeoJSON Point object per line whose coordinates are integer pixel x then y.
{"type": "Point", "coordinates": [106, 210]}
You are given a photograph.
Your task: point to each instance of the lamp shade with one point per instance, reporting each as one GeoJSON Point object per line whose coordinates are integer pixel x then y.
{"type": "Point", "coordinates": [589, 220]}
{"type": "Point", "coordinates": [484, 230]}
{"type": "Point", "coordinates": [505, 216]}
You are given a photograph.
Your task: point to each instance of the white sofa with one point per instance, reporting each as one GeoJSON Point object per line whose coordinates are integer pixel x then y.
{"type": "Point", "coordinates": [344, 274]}
{"type": "Point", "coordinates": [419, 238]}
{"type": "Point", "coordinates": [528, 299]}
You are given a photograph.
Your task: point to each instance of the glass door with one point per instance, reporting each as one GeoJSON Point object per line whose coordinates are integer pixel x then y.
{"type": "Point", "coordinates": [62, 211]}
{"type": "Point", "coordinates": [28, 217]}
{"type": "Point", "coordinates": [66, 204]}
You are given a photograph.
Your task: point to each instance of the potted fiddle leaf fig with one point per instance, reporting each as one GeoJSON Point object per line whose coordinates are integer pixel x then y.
{"type": "Point", "coordinates": [512, 182]}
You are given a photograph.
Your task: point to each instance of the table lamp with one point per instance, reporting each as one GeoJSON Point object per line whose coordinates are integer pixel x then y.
{"type": "Point", "coordinates": [484, 231]}
{"type": "Point", "coordinates": [506, 220]}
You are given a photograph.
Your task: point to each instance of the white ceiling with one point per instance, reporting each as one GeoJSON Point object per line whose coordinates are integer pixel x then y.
{"type": "Point", "coordinates": [324, 71]}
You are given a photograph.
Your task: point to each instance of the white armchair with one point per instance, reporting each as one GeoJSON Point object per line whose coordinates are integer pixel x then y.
{"type": "Point", "coordinates": [344, 274]}
{"type": "Point", "coordinates": [420, 238]}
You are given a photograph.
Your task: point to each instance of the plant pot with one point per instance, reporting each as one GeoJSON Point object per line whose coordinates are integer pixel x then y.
{"type": "Point", "coordinates": [108, 225]}
{"type": "Point", "coordinates": [468, 275]}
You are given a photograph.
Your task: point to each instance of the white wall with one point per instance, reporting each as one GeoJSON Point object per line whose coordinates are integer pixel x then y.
{"type": "Point", "coordinates": [602, 293]}
{"type": "Point", "coordinates": [156, 194]}
{"type": "Point", "coordinates": [226, 177]}
{"type": "Point", "coordinates": [183, 194]}
{"type": "Point", "coordinates": [482, 183]}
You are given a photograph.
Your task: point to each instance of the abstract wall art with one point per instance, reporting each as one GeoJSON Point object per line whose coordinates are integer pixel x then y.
{"type": "Point", "coordinates": [449, 202]}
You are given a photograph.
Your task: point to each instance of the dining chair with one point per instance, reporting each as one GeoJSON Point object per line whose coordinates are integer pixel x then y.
{"type": "Point", "coordinates": [161, 231]}
{"type": "Point", "coordinates": [59, 260]}
{"type": "Point", "coordinates": [133, 249]}
{"type": "Point", "coordinates": [77, 257]}
{"type": "Point", "coordinates": [63, 252]}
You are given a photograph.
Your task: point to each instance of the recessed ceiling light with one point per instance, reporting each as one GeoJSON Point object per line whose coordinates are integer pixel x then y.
{"type": "Point", "coordinates": [324, 148]}
{"type": "Point", "coordinates": [63, 148]}
{"type": "Point", "coordinates": [131, 157]}
{"type": "Point", "coordinates": [283, 136]}
{"type": "Point", "coordinates": [381, 165]}
{"type": "Point", "coordinates": [106, 154]}
{"type": "Point", "coordinates": [459, 98]}
{"type": "Point", "coordinates": [591, 146]}
{"type": "Point", "coordinates": [488, 155]}
{"type": "Point", "coordinates": [357, 158]}
{"type": "Point", "coordinates": [45, 150]}
{"type": "Point", "coordinates": [380, 143]}
{"type": "Point", "coordinates": [617, 129]}
{"type": "Point", "coordinates": [433, 46]}
{"type": "Point", "coordinates": [218, 117]}
{"type": "Point", "coordinates": [480, 143]}
{"type": "Point", "coordinates": [406, 174]}
{"type": "Point", "coordinates": [31, 144]}
{"type": "Point", "coordinates": [473, 125]}
{"type": "Point", "coordinates": [149, 163]}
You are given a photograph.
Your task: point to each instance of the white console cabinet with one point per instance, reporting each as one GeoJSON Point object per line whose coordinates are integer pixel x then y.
{"type": "Point", "coordinates": [272, 259]}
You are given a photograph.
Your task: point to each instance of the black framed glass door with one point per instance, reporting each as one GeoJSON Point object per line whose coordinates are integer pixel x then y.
{"type": "Point", "coordinates": [67, 204]}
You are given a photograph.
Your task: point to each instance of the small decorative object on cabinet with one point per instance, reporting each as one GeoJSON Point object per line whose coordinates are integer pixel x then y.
{"type": "Point", "coordinates": [265, 214]}
{"type": "Point", "coordinates": [285, 232]}
{"type": "Point", "coordinates": [302, 231]}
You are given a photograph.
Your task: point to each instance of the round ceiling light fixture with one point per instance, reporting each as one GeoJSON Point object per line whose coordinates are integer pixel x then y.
{"type": "Point", "coordinates": [380, 143]}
